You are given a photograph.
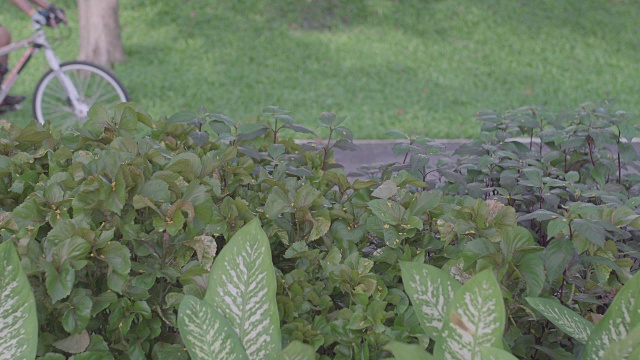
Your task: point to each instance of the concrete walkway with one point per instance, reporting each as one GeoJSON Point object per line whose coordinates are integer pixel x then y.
{"type": "Point", "coordinates": [371, 152]}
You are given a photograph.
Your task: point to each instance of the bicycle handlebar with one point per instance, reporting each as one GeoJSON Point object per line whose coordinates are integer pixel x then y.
{"type": "Point", "coordinates": [54, 15]}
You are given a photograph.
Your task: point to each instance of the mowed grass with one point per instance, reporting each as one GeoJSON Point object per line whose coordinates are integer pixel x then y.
{"type": "Point", "coordinates": [414, 65]}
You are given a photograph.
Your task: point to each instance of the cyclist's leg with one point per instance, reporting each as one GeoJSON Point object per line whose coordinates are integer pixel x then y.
{"type": "Point", "coordinates": [5, 39]}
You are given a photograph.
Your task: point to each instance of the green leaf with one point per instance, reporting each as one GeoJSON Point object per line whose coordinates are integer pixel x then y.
{"type": "Point", "coordinates": [299, 128]}
{"type": "Point", "coordinates": [557, 256]}
{"type": "Point", "coordinates": [305, 196]}
{"type": "Point", "coordinates": [251, 131]}
{"type": "Point", "coordinates": [591, 230]}
{"type": "Point", "coordinates": [540, 215]}
{"type": "Point", "coordinates": [207, 334]}
{"type": "Point", "coordinates": [557, 226]}
{"type": "Point", "coordinates": [628, 152]}
{"type": "Point", "coordinates": [199, 137]}
{"type": "Point", "coordinates": [424, 201]}
{"type": "Point", "coordinates": [623, 348]}
{"type": "Point", "coordinates": [531, 266]}
{"type": "Point", "coordinates": [186, 164]}
{"type": "Point", "coordinates": [74, 344]}
{"type": "Point", "coordinates": [156, 190]}
{"type": "Point", "coordinates": [164, 351]}
{"type": "Point", "coordinates": [515, 239]}
{"type": "Point", "coordinates": [276, 150]}
{"type": "Point", "coordinates": [493, 353]}
{"type": "Point", "coordinates": [345, 145]}
{"type": "Point", "coordinates": [76, 313]}
{"type": "Point", "coordinates": [59, 282]}
{"type": "Point", "coordinates": [182, 116]}
{"type": "Point", "coordinates": [119, 259]}
{"type": "Point", "coordinates": [475, 319]}
{"type": "Point", "coordinates": [277, 203]}
{"type": "Point", "coordinates": [128, 119]}
{"type": "Point", "coordinates": [363, 184]}
{"type": "Point", "coordinates": [402, 351]}
{"type": "Point", "coordinates": [623, 315]}
{"type": "Point", "coordinates": [390, 212]}
{"type": "Point", "coordinates": [297, 351]}
{"type": "Point", "coordinates": [565, 319]}
{"type": "Point", "coordinates": [18, 320]}
{"type": "Point", "coordinates": [430, 290]}
{"type": "Point", "coordinates": [242, 286]}
{"type": "Point", "coordinates": [386, 190]}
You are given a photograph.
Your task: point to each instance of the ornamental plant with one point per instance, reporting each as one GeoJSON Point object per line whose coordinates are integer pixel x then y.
{"type": "Point", "coordinates": [124, 220]}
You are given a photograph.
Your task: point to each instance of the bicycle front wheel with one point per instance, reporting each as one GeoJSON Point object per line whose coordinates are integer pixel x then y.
{"type": "Point", "coordinates": [52, 99]}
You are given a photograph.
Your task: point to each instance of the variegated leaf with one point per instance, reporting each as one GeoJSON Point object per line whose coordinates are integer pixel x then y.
{"type": "Point", "coordinates": [430, 290]}
{"type": "Point", "coordinates": [297, 350]}
{"type": "Point", "coordinates": [565, 319]}
{"type": "Point", "coordinates": [624, 348]}
{"type": "Point", "coordinates": [492, 353]}
{"type": "Point", "coordinates": [18, 320]}
{"type": "Point", "coordinates": [476, 319]}
{"type": "Point", "coordinates": [622, 315]}
{"type": "Point", "coordinates": [242, 286]}
{"type": "Point", "coordinates": [206, 332]}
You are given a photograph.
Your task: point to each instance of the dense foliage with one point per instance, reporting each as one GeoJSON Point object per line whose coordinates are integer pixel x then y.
{"type": "Point", "coordinates": [114, 228]}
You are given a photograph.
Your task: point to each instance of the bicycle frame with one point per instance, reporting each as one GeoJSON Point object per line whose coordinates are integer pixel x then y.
{"type": "Point", "coordinates": [34, 43]}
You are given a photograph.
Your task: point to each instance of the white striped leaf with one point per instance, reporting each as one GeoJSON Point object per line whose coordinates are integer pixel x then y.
{"type": "Point", "coordinates": [492, 353]}
{"type": "Point", "coordinates": [476, 319]}
{"type": "Point", "coordinates": [563, 318]}
{"type": "Point", "coordinates": [623, 314]}
{"type": "Point", "coordinates": [626, 348]}
{"type": "Point", "coordinates": [430, 290]}
{"type": "Point", "coordinates": [297, 350]}
{"type": "Point", "coordinates": [242, 286]}
{"type": "Point", "coordinates": [207, 333]}
{"type": "Point", "coordinates": [18, 319]}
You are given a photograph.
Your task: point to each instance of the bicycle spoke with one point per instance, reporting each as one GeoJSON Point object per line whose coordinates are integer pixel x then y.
{"type": "Point", "coordinates": [92, 86]}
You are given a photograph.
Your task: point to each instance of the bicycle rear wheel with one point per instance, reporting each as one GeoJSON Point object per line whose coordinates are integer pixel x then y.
{"type": "Point", "coordinates": [94, 85]}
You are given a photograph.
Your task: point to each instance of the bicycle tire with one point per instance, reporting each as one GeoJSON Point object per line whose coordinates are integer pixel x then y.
{"type": "Point", "coordinates": [51, 102]}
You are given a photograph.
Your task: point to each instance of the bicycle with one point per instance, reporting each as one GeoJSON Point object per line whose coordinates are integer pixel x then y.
{"type": "Point", "coordinates": [79, 84]}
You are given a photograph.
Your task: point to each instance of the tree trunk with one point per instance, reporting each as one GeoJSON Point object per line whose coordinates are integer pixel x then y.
{"type": "Point", "coordinates": [99, 32]}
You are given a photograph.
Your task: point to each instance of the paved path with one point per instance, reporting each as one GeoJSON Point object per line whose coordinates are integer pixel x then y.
{"type": "Point", "coordinates": [372, 152]}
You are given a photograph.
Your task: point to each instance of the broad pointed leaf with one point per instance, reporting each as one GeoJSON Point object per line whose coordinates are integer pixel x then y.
{"type": "Point", "coordinates": [386, 190]}
{"type": "Point", "coordinates": [18, 321]}
{"type": "Point", "coordinates": [390, 212]}
{"type": "Point", "coordinates": [242, 286]}
{"type": "Point", "coordinates": [430, 290]}
{"type": "Point", "coordinates": [557, 257]}
{"type": "Point", "coordinates": [564, 318]}
{"type": "Point", "coordinates": [476, 318]}
{"type": "Point", "coordinates": [402, 351]}
{"type": "Point", "coordinates": [624, 348]}
{"type": "Point", "coordinates": [297, 351]}
{"type": "Point", "coordinates": [622, 315]}
{"type": "Point", "coordinates": [494, 353]}
{"type": "Point", "coordinates": [207, 333]}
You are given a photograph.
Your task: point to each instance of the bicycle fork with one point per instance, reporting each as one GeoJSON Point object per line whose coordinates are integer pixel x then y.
{"type": "Point", "coordinates": [80, 108]}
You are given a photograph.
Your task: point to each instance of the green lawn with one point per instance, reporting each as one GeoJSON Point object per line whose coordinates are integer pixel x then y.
{"type": "Point", "coordinates": [411, 65]}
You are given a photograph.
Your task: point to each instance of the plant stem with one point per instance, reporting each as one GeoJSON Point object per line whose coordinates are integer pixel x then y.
{"type": "Point", "coordinates": [326, 149]}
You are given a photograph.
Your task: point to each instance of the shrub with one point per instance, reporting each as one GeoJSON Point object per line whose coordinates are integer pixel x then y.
{"type": "Point", "coordinates": [116, 226]}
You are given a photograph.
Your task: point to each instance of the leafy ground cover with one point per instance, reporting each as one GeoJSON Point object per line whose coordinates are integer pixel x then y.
{"type": "Point", "coordinates": [423, 66]}
{"type": "Point", "coordinates": [123, 237]}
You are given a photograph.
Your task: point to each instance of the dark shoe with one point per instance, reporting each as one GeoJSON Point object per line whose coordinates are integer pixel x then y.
{"type": "Point", "coordinates": [11, 100]}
